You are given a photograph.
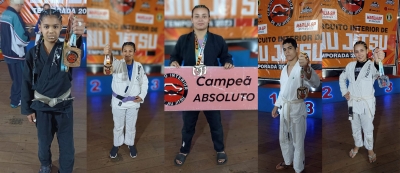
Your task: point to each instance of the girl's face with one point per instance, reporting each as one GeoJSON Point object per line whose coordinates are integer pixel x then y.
{"type": "Point", "coordinates": [360, 52]}
{"type": "Point", "coordinates": [200, 18]}
{"type": "Point", "coordinates": [128, 52]}
{"type": "Point", "coordinates": [50, 26]}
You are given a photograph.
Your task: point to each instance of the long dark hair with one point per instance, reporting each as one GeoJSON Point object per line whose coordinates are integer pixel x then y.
{"type": "Point", "coordinates": [45, 13]}
{"type": "Point", "coordinates": [203, 6]}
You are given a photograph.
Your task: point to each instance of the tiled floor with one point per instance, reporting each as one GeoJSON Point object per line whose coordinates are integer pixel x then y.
{"type": "Point", "coordinates": [270, 151]}
{"type": "Point", "coordinates": [338, 139]}
{"type": "Point", "coordinates": [149, 137]}
{"type": "Point", "coordinates": [240, 136]}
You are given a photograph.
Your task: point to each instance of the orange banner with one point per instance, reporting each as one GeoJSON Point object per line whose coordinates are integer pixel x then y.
{"type": "Point", "coordinates": [280, 19]}
{"type": "Point", "coordinates": [32, 9]}
{"type": "Point", "coordinates": [346, 22]}
{"type": "Point", "coordinates": [114, 22]}
{"type": "Point", "coordinates": [231, 19]}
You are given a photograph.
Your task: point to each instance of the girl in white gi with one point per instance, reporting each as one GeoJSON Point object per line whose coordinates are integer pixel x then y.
{"type": "Point", "coordinates": [361, 75]}
{"type": "Point", "coordinates": [129, 86]}
{"type": "Point", "coordinates": [292, 128]}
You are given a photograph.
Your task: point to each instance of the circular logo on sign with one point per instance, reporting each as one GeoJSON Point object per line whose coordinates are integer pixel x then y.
{"type": "Point", "coordinates": [389, 17]}
{"type": "Point", "coordinates": [280, 12]}
{"type": "Point", "coordinates": [352, 7]}
{"type": "Point", "coordinates": [159, 17]}
{"type": "Point", "coordinates": [123, 6]}
{"type": "Point", "coordinates": [175, 89]}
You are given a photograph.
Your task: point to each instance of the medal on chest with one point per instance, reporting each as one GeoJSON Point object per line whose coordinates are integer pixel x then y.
{"type": "Point", "coordinates": [302, 91]}
{"type": "Point", "coordinates": [199, 69]}
{"type": "Point", "coordinates": [71, 54]}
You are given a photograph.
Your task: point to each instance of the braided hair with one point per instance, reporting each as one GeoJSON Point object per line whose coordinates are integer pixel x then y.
{"type": "Point", "coordinates": [44, 13]}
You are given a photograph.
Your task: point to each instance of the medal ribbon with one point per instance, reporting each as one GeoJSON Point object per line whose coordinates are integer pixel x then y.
{"type": "Point", "coordinates": [199, 50]}
{"type": "Point", "coordinates": [382, 73]}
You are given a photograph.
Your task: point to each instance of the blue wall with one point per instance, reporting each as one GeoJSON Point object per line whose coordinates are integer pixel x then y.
{"type": "Point", "coordinates": [331, 90]}
{"type": "Point", "coordinates": [101, 85]}
{"type": "Point", "coordinates": [267, 97]}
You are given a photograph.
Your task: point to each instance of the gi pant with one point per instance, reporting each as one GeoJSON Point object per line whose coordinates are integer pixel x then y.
{"type": "Point", "coordinates": [189, 125]}
{"type": "Point", "coordinates": [364, 122]}
{"type": "Point", "coordinates": [15, 70]}
{"type": "Point", "coordinates": [292, 145]}
{"type": "Point", "coordinates": [121, 118]}
{"type": "Point", "coordinates": [48, 123]}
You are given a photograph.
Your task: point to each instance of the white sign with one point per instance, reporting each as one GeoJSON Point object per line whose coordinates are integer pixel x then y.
{"type": "Point", "coordinates": [329, 14]}
{"type": "Point", "coordinates": [306, 25]}
{"type": "Point", "coordinates": [373, 18]}
{"type": "Point", "coordinates": [262, 29]}
{"type": "Point", "coordinates": [96, 13]}
{"type": "Point", "coordinates": [144, 18]}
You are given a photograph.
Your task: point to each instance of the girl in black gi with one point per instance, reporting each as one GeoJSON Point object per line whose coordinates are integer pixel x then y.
{"type": "Point", "coordinates": [43, 78]}
{"type": "Point", "coordinates": [213, 46]}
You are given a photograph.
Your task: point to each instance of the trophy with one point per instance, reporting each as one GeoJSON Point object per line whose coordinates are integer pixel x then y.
{"type": "Point", "coordinates": [71, 54]}
{"type": "Point", "coordinates": [107, 70]}
{"type": "Point", "coordinates": [302, 91]}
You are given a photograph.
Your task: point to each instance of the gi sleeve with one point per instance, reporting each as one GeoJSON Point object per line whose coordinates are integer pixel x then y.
{"type": "Point", "coordinates": [224, 55]}
{"type": "Point", "coordinates": [27, 93]}
{"type": "Point", "coordinates": [342, 81]}
{"type": "Point", "coordinates": [314, 81]}
{"type": "Point", "coordinates": [144, 85]}
{"type": "Point", "coordinates": [176, 53]}
{"type": "Point", "coordinates": [279, 101]}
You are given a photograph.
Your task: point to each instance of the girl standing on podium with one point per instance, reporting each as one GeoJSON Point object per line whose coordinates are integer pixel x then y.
{"type": "Point", "coordinates": [206, 48]}
{"type": "Point", "coordinates": [129, 88]}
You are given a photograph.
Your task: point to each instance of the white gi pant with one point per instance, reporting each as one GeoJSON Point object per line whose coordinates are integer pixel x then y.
{"type": "Point", "coordinates": [122, 117]}
{"type": "Point", "coordinates": [364, 122]}
{"type": "Point", "coordinates": [292, 143]}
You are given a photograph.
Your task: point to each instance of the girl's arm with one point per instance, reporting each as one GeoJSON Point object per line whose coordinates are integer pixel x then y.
{"type": "Point", "coordinates": [27, 93]}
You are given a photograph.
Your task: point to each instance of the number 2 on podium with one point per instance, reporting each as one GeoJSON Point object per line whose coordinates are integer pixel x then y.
{"type": "Point", "coordinates": [95, 86]}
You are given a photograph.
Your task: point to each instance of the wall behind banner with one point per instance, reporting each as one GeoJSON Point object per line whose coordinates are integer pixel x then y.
{"type": "Point", "coordinates": [32, 9]}
{"type": "Point", "coordinates": [141, 22]}
{"type": "Point", "coordinates": [278, 20]}
{"type": "Point", "coordinates": [344, 23]}
{"type": "Point", "coordinates": [232, 19]}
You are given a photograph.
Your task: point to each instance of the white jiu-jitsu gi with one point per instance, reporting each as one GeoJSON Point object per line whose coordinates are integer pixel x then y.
{"type": "Point", "coordinates": [362, 100]}
{"type": "Point", "coordinates": [293, 113]}
{"type": "Point", "coordinates": [124, 87]}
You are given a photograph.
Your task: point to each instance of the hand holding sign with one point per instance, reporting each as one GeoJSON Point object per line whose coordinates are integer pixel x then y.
{"type": "Point", "coordinates": [175, 64]}
{"type": "Point", "coordinates": [228, 65]}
